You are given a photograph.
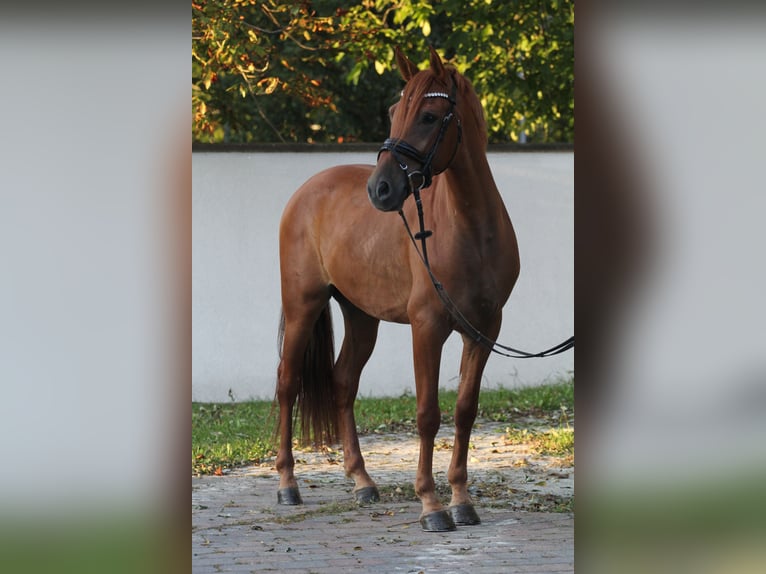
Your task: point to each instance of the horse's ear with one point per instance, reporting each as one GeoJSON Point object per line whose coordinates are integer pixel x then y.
{"type": "Point", "coordinates": [406, 68]}
{"type": "Point", "coordinates": [436, 64]}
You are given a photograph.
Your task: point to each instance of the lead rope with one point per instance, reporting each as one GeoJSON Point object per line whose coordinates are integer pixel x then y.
{"type": "Point", "coordinates": [469, 329]}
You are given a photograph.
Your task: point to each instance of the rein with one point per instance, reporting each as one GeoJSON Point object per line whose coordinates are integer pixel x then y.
{"type": "Point", "coordinates": [449, 304]}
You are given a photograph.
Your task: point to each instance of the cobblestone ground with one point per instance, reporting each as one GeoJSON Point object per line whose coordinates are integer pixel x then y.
{"type": "Point", "coordinates": [524, 501]}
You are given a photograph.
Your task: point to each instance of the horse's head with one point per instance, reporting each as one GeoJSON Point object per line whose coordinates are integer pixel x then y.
{"type": "Point", "coordinates": [425, 133]}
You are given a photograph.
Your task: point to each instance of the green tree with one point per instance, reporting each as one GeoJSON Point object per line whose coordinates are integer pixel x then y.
{"type": "Point", "coordinates": [319, 71]}
{"type": "Point", "coordinates": [249, 52]}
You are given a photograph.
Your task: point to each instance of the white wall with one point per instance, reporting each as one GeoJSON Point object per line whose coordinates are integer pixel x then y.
{"type": "Point", "coordinates": [237, 202]}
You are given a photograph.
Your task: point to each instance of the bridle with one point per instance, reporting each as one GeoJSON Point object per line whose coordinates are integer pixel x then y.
{"type": "Point", "coordinates": [399, 147]}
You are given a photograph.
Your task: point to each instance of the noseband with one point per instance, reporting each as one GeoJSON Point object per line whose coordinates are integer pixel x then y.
{"type": "Point", "coordinates": [399, 147]}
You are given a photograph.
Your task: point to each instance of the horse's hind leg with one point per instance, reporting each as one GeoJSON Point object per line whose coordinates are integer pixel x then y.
{"type": "Point", "coordinates": [298, 326]}
{"type": "Point", "coordinates": [361, 332]}
{"type": "Point", "coordinates": [472, 365]}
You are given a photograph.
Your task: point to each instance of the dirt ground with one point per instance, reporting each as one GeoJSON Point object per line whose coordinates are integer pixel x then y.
{"type": "Point", "coordinates": [500, 474]}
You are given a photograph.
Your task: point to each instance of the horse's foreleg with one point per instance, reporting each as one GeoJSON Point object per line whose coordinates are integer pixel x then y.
{"type": "Point", "coordinates": [427, 347]}
{"type": "Point", "coordinates": [472, 363]}
{"type": "Point", "coordinates": [361, 332]}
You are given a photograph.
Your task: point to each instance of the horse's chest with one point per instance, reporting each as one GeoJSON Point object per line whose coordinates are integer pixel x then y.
{"type": "Point", "coordinates": [482, 273]}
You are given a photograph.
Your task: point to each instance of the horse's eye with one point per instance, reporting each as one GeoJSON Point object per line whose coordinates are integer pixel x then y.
{"type": "Point", "coordinates": [428, 118]}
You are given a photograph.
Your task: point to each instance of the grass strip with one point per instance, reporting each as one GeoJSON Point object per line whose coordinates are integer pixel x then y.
{"type": "Point", "coordinates": [226, 435]}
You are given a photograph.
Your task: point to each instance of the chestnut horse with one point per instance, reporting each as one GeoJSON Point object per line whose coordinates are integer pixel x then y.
{"type": "Point", "coordinates": [336, 241]}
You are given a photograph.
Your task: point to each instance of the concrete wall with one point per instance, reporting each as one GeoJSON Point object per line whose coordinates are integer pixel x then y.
{"type": "Point", "coordinates": [237, 202]}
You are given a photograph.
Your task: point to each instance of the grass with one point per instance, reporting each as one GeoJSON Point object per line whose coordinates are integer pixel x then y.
{"type": "Point", "coordinates": [225, 435]}
{"type": "Point", "coordinates": [557, 441]}
{"type": "Point", "coordinates": [230, 434]}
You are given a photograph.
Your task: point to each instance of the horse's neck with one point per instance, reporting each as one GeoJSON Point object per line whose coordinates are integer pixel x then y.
{"type": "Point", "coordinates": [472, 194]}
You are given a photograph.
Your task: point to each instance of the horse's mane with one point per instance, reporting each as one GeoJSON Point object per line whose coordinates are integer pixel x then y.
{"type": "Point", "coordinates": [467, 101]}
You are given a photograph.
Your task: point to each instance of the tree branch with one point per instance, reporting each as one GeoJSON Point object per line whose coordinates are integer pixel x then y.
{"type": "Point", "coordinates": [265, 119]}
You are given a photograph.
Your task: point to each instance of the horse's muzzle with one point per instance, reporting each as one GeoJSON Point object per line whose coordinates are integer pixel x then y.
{"type": "Point", "coordinates": [385, 195]}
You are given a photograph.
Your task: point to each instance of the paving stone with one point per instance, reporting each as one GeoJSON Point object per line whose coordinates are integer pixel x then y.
{"type": "Point", "coordinates": [237, 525]}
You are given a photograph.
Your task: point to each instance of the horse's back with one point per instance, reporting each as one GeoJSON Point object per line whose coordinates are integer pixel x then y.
{"type": "Point", "coordinates": [332, 183]}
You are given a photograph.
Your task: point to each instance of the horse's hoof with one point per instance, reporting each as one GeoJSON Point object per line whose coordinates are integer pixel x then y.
{"type": "Point", "coordinates": [437, 521]}
{"type": "Point", "coordinates": [367, 495]}
{"type": "Point", "coordinates": [289, 496]}
{"type": "Point", "coordinates": [464, 515]}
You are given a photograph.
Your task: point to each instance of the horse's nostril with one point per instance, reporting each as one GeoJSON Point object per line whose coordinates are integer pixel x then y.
{"type": "Point", "coordinates": [383, 190]}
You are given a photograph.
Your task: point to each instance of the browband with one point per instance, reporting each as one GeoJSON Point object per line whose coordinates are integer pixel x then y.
{"type": "Point", "coordinates": [433, 95]}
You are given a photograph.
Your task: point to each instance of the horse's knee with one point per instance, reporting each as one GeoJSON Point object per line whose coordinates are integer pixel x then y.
{"type": "Point", "coordinates": [428, 420]}
{"type": "Point", "coordinates": [465, 414]}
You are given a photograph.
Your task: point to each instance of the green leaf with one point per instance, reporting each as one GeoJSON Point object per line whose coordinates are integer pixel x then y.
{"type": "Point", "coordinates": [208, 79]}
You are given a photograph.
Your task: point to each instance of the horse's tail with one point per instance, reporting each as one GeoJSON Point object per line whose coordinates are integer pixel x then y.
{"type": "Point", "coordinates": [315, 406]}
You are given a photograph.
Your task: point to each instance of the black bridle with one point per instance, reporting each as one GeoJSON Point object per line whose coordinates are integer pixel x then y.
{"type": "Point", "coordinates": [399, 148]}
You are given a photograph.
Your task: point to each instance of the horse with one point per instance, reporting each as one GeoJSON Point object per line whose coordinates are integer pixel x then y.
{"type": "Point", "coordinates": [338, 242]}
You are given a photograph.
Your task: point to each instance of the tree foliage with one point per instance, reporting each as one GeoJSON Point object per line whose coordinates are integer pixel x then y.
{"type": "Point", "coordinates": [323, 70]}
